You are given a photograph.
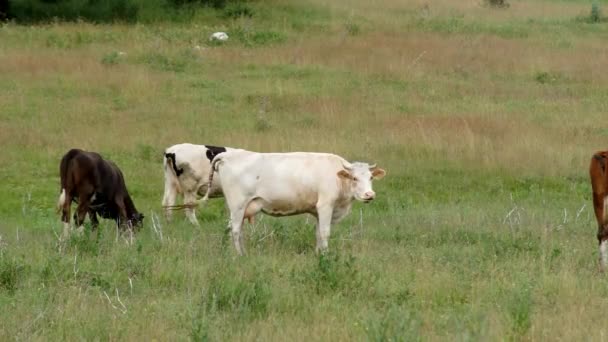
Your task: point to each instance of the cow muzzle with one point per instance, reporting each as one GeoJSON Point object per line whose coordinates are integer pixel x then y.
{"type": "Point", "coordinates": [368, 196]}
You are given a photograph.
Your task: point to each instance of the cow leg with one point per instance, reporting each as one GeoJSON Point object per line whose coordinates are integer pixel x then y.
{"type": "Point", "coordinates": [65, 214]}
{"type": "Point", "coordinates": [169, 197]}
{"type": "Point", "coordinates": [599, 205]}
{"type": "Point", "coordinates": [81, 212]}
{"type": "Point", "coordinates": [323, 227]}
{"type": "Point", "coordinates": [190, 198]}
{"type": "Point", "coordinates": [602, 237]}
{"type": "Point", "coordinates": [94, 220]}
{"type": "Point", "coordinates": [239, 209]}
{"type": "Point", "coordinates": [236, 219]}
{"type": "Point", "coordinates": [122, 220]}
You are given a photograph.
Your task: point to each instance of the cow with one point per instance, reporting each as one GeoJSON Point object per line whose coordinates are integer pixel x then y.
{"type": "Point", "coordinates": [284, 184]}
{"type": "Point", "coordinates": [599, 185]}
{"type": "Point", "coordinates": [186, 168]}
{"type": "Point", "coordinates": [98, 186]}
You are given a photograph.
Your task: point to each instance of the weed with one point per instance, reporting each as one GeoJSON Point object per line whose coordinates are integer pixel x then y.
{"type": "Point", "coordinates": [252, 38]}
{"type": "Point", "coordinates": [520, 309]}
{"type": "Point", "coordinates": [242, 295]}
{"type": "Point", "coordinates": [298, 239]}
{"type": "Point", "coordinates": [110, 58]}
{"type": "Point", "coordinates": [11, 272]}
{"type": "Point", "coordinates": [334, 273]}
{"type": "Point", "coordinates": [352, 28]}
{"type": "Point", "coordinates": [544, 77]}
{"type": "Point", "coordinates": [167, 63]}
{"type": "Point", "coordinates": [394, 324]}
{"type": "Point", "coordinates": [262, 124]}
{"type": "Point", "coordinates": [147, 152]}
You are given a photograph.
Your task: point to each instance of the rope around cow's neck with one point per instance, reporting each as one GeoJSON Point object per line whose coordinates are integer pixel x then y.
{"type": "Point", "coordinates": [180, 206]}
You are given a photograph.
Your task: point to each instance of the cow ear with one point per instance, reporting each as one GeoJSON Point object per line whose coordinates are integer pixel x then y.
{"type": "Point", "coordinates": [344, 174]}
{"type": "Point", "coordinates": [378, 173]}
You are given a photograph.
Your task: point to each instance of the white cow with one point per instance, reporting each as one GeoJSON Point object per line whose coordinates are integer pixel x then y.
{"type": "Point", "coordinates": [187, 169]}
{"type": "Point", "coordinates": [283, 184]}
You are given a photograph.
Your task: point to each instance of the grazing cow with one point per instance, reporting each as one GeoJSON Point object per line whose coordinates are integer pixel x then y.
{"type": "Point", "coordinates": [187, 169]}
{"type": "Point", "coordinates": [98, 186]}
{"type": "Point", "coordinates": [599, 184]}
{"type": "Point", "coordinates": [284, 184]}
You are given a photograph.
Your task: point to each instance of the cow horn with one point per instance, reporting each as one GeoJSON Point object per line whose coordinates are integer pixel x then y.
{"type": "Point", "coordinates": [347, 165]}
{"type": "Point", "coordinates": [373, 166]}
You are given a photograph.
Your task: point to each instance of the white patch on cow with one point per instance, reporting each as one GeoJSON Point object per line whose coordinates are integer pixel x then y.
{"type": "Point", "coordinates": [603, 254]}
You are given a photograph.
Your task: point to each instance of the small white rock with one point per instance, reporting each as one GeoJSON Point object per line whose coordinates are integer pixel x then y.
{"type": "Point", "coordinates": [221, 36]}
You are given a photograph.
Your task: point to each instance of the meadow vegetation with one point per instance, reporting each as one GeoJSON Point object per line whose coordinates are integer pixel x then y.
{"type": "Point", "coordinates": [485, 119]}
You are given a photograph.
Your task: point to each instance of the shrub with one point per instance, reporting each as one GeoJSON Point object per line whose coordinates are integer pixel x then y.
{"type": "Point", "coordinates": [93, 10]}
{"type": "Point", "coordinates": [336, 274]}
{"type": "Point", "coordinates": [210, 3]}
{"type": "Point", "coordinates": [497, 3]}
{"type": "Point", "coordinates": [29, 11]}
{"type": "Point", "coordinates": [247, 295]}
{"type": "Point", "coordinates": [595, 15]}
{"type": "Point", "coordinates": [237, 9]}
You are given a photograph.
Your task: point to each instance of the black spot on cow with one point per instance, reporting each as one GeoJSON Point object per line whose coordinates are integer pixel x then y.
{"type": "Point", "coordinates": [213, 151]}
{"type": "Point", "coordinates": [171, 160]}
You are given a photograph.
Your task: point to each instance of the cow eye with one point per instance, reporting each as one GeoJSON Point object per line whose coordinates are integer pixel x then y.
{"type": "Point", "coordinates": [355, 179]}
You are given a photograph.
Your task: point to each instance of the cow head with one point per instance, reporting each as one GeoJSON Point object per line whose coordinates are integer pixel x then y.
{"type": "Point", "coordinates": [359, 177]}
{"type": "Point", "coordinates": [137, 220]}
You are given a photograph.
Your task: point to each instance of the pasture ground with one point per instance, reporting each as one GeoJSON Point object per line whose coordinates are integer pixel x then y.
{"type": "Point", "coordinates": [484, 119]}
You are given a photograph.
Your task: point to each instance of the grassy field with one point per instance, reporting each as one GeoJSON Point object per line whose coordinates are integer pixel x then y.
{"type": "Point", "coordinates": [483, 229]}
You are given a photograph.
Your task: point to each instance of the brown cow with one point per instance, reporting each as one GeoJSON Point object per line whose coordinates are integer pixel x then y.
{"type": "Point", "coordinates": [98, 186]}
{"type": "Point", "coordinates": [599, 184]}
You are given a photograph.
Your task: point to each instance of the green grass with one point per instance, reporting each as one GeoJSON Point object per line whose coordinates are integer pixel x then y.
{"type": "Point", "coordinates": [483, 229]}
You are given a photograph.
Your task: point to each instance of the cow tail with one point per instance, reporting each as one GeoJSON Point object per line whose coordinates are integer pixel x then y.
{"type": "Point", "coordinates": [61, 200]}
{"type": "Point", "coordinates": [214, 168]}
{"type": "Point", "coordinates": [170, 161]}
{"type": "Point", "coordinates": [63, 176]}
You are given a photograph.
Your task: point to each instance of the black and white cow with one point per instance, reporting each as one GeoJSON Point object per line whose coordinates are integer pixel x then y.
{"type": "Point", "coordinates": [187, 168]}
